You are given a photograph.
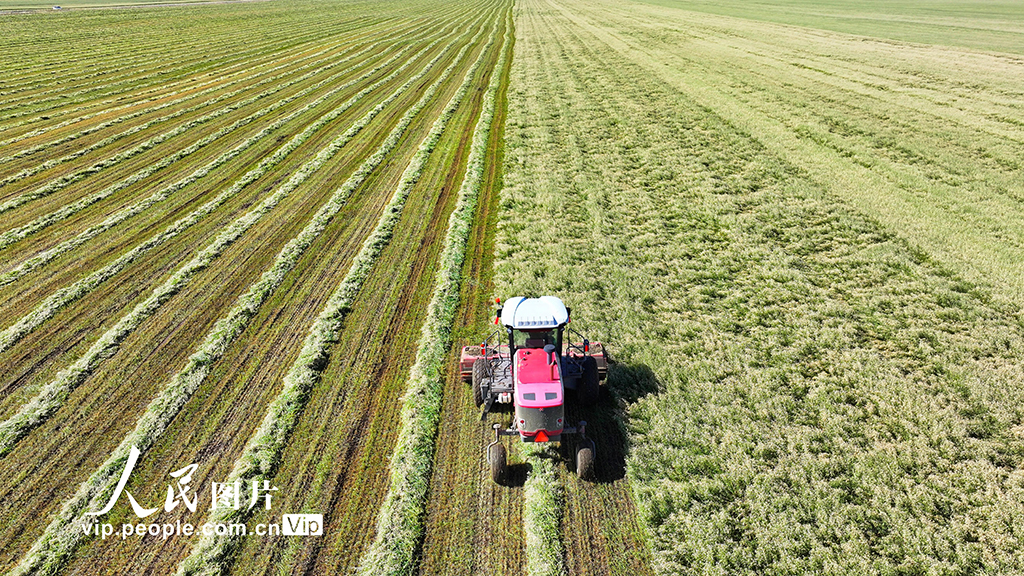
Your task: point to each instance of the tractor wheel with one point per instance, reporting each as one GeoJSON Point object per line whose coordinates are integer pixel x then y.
{"type": "Point", "coordinates": [479, 375]}
{"type": "Point", "coordinates": [496, 458]}
{"type": "Point", "coordinates": [590, 383]}
{"type": "Point", "coordinates": [585, 460]}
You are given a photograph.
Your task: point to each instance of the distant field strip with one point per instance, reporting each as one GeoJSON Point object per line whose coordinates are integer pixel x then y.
{"type": "Point", "coordinates": [160, 90]}
{"type": "Point", "coordinates": [800, 246]}
{"type": "Point", "coordinates": [317, 65]}
{"type": "Point", "coordinates": [164, 100]}
{"type": "Point", "coordinates": [982, 25]}
{"type": "Point", "coordinates": [169, 61]}
{"type": "Point", "coordinates": [12, 236]}
{"type": "Point", "coordinates": [54, 393]}
{"type": "Point", "coordinates": [116, 159]}
{"type": "Point", "coordinates": [87, 96]}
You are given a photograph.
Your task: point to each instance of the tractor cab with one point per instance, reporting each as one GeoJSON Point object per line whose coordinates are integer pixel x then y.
{"type": "Point", "coordinates": [527, 363]}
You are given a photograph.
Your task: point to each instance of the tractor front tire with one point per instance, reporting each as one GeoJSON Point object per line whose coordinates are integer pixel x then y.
{"type": "Point", "coordinates": [496, 458]}
{"type": "Point", "coordinates": [479, 375]}
{"type": "Point", "coordinates": [590, 383]}
{"type": "Point", "coordinates": [585, 460]}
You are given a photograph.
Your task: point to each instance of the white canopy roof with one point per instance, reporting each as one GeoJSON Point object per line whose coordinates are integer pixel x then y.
{"type": "Point", "coordinates": [541, 313]}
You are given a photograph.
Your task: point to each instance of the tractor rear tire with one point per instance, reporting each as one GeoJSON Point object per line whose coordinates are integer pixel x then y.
{"type": "Point", "coordinates": [590, 383]}
{"type": "Point", "coordinates": [496, 458]}
{"type": "Point", "coordinates": [585, 460]}
{"type": "Point", "coordinates": [479, 375]}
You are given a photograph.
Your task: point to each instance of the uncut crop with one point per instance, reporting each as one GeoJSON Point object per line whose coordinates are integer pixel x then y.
{"type": "Point", "coordinates": [822, 365]}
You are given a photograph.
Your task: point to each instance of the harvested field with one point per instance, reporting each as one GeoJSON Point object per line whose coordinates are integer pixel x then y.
{"type": "Point", "coordinates": [186, 200]}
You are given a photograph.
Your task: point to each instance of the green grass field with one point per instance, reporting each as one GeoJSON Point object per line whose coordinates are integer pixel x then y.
{"type": "Point", "coordinates": [982, 24]}
{"type": "Point", "coordinates": [804, 249]}
{"type": "Point", "coordinates": [257, 243]}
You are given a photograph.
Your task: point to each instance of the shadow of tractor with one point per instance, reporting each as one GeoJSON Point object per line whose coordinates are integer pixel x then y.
{"type": "Point", "coordinates": [607, 419]}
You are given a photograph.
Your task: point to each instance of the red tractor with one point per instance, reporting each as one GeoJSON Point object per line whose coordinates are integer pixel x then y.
{"type": "Point", "coordinates": [531, 369]}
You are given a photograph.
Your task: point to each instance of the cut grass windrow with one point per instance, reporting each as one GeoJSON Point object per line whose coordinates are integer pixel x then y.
{"type": "Point", "coordinates": [158, 93]}
{"type": "Point", "coordinates": [215, 85]}
{"type": "Point", "coordinates": [53, 394]}
{"type": "Point", "coordinates": [317, 65]}
{"type": "Point", "coordinates": [151, 83]}
{"type": "Point", "coordinates": [12, 236]}
{"type": "Point", "coordinates": [130, 76]}
{"type": "Point", "coordinates": [261, 454]}
{"type": "Point", "coordinates": [67, 179]}
{"type": "Point", "coordinates": [41, 259]}
{"type": "Point", "coordinates": [542, 512]}
{"type": "Point", "coordinates": [21, 232]}
{"type": "Point", "coordinates": [63, 534]}
{"type": "Point", "coordinates": [169, 100]}
{"type": "Point", "coordinates": [67, 295]}
{"type": "Point", "coordinates": [400, 520]}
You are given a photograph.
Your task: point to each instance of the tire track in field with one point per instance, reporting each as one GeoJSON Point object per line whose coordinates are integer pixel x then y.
{"type": "Point", "coordinates": [53, 394]}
